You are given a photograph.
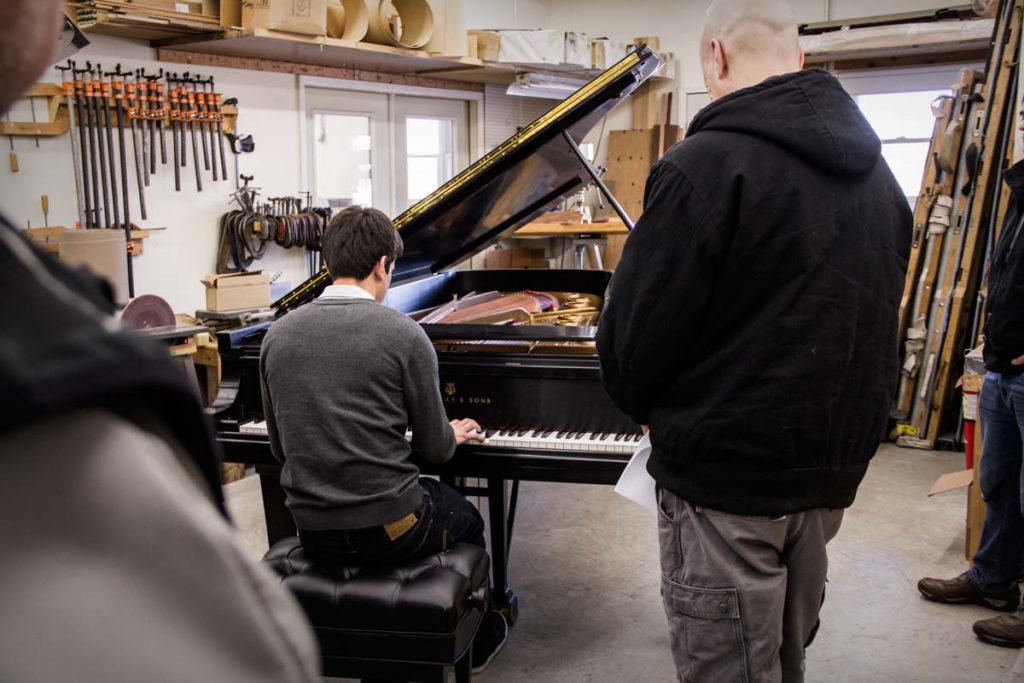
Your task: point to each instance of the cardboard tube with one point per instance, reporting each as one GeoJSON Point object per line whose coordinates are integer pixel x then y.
{"type": "Point", "coordinates": [401, 23]}
{"type": "Point", "coordinates": [348, 19]}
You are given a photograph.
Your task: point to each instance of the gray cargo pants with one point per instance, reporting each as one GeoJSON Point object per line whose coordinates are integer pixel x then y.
{"type": "Point", "coordinates": [742, 594]}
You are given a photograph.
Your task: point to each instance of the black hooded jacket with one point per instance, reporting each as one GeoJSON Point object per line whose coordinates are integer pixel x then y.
{"type": "Point", "coordinates": [61, 352]}
{"type": "Point", "coordinates": [752, 322]}
{"type": "Point", "coordinates": [1004, 323]}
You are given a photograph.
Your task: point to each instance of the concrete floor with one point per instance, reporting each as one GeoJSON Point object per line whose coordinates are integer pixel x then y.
{"type": "Point", "coordinates": [584, 564]}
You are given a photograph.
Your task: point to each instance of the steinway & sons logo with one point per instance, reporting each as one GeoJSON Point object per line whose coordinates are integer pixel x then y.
{"type": "Point", "coordinates": [451, 398]}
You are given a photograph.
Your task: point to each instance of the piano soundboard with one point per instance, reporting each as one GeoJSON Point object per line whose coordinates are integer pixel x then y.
{"type": "Point", "coordinates": [527, 439]}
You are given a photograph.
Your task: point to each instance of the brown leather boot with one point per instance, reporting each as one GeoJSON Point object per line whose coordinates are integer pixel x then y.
{"type": "Point", "coordinates": [1006, 630]}
{"type": "Point", "coordinates": [962, 590]}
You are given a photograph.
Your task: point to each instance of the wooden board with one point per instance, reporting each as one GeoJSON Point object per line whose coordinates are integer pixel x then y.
{"type": "Point", "coordinates": [571, 229]}
{"type": "Point", "coordinates": [970, 265]}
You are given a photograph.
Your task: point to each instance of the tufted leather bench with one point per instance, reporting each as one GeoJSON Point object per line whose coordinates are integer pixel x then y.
{"type": "Point", "coordinates": [414, 621]}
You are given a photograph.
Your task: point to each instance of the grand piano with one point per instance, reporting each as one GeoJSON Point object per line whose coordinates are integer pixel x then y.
{"type": "Point", "coordinates": [531, 378]}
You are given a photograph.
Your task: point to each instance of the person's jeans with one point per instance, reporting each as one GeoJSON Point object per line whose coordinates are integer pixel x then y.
{"type": "Point", "coordinates": [444, 518]}
{"type": "Point", "coordinates": [999, 562]}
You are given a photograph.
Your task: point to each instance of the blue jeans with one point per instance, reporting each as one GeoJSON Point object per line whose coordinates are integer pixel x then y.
{"type": "Point", "coordinates": [444, 518]}
{"type": "Point", "coordinates": [999, 563]}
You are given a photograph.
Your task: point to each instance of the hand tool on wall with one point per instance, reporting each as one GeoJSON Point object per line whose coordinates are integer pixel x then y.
{"type": "Point", "coordinates": [131, 103]}
{"type": "Point", "coordinates": [14, 155]}
{"type": "Point", "coordinates": [67, 81]}
{"type": "Point", "coordinates": [201, 119]}
{"type": "Point", "coordinates": [162, 118]}
{"type": "Point", "coordinates": [183, 103]}
{"type": "Point", "coordinates": [142, 109]}
{"type": "Point", "coordinates": [92, 92]}
{"type": "Point", "coordinates": [190, 98]}
{"type": "Point", "coordinates": [118, 93]}
{"type": "Point", "coordinates": [211, 127]}
{"type": "Point", "coordinates": [85, 126]}
{"type": "Point", "coordinates": [219, 128]}
{"type": "Point", "coordinates": [32, 106]}
{"type": "Point", "coordinates": [153, 116]}
{"type": "Point", "coordinates": [176, 131]}
{"type": "Point", "coordinates": [105, 94]}
{"type": "Point", "coordinates": [45, 201]}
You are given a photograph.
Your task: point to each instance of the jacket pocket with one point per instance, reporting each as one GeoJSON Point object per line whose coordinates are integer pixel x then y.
{"type": "Point", "coordinates": [708, 630]}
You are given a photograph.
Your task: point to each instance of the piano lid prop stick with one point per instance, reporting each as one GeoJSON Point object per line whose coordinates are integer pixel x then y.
{"type": "Point", "coordinates": [596, 177]}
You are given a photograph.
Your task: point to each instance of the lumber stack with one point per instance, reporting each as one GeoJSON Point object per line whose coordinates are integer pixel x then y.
{"type": "Point", "coordinates": [961, 206]}
{"type": "Point", "coordinates": [143, 19]}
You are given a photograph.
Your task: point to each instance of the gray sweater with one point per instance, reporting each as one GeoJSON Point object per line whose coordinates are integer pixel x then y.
{"type": "Point", "coordinates": [342, 379]}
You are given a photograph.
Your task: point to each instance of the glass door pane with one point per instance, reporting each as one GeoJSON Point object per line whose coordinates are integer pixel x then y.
{"type": "Point", "coordinates": [431, 146]}
{"type": "Point", "coordinates": [349, 150]}
{"type": "Point", "coordinates": [342, 154]}
{"type": "Point", "coordinates": [429, 155]}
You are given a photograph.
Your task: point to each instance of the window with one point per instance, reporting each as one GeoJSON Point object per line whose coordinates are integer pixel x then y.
{"type": "Point", "coordinates": [897, 103]}
{"type": "Point", "coordinates": [429, 155]}
{"type": "Point", "coordinates": [383, 150]}
{"type": "Point", "coordinates": [904, 122]}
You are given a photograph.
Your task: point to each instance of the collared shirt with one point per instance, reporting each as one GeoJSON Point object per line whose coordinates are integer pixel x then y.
{"type": "Point", "coordinates": [346, 292]}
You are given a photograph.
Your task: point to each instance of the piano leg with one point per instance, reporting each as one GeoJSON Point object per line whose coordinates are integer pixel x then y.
{"type": "Point", "coordinates": [279, 521]}
{"type": "Point", "coordinates": [504, 599]}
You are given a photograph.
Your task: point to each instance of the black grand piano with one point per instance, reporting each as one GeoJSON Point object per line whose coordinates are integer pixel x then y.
{"type": "Point", "coordinates": [533, 379]}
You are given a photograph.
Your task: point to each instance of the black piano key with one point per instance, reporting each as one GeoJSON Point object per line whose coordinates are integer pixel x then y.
{"type": "Point", "coordinates": [522, 432]}
{"type": "Point", "coordinates": [620, 437]}
{"type": "Point", "coordinates": [581, 435]}
{"type": "Point", "coordinates": [546, 434]}
{"type": "Point", "coordinates": [604, 437]}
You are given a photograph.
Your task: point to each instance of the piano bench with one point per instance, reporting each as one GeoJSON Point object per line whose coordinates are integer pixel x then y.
{"type": "Point", "coordinates": [414, 621]}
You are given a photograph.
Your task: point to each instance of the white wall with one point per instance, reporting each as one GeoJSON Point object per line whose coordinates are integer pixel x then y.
{"type": "Point", "coordinates": [175, 258]}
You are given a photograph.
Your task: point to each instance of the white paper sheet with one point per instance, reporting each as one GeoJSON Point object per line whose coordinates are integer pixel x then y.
{"type": "Point", "coordinates": [635, 483]}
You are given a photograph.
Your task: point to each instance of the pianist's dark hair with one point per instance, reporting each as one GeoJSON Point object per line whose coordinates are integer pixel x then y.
{"type": "Point", "coordinates": [356, 239]}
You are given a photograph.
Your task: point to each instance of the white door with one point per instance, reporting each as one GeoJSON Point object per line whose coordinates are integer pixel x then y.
{"type": "Point", "coordinates": [382, 150]}
{"type": "Point", "coordinates": [431, 146]}
{"type": "Point", "coordinates": [349, 146]}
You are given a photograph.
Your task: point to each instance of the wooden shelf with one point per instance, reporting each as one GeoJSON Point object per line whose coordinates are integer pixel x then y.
{"type": "Point", "coordinates": [277, 46]}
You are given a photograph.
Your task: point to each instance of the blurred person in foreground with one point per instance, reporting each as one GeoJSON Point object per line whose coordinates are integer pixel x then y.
{"type": "Point", "coordinates": [120, 563]}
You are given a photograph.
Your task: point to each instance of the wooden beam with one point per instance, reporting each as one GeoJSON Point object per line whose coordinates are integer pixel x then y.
{"type": "Point", "coordinates": [272, 66]}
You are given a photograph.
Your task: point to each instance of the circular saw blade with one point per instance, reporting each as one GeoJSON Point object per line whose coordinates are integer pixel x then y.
{"type": "Point", "coordinates": [146, 312]}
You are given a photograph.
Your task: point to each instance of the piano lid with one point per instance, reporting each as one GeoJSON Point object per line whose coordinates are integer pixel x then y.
{"type": "Point", "coordinates": [508, 187]}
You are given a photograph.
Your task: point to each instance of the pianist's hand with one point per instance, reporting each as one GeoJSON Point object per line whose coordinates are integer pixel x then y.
{"type": "Point", "coordinates": [645, 428]}
{"type": "Point", "coordinates": [467, 431]}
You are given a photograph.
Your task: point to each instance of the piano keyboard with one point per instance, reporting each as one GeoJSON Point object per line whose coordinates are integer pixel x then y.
{"type": "Point", "coordinates": [527, 439]}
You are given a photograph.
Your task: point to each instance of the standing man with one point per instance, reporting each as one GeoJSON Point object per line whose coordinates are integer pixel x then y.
{"type": "Point", "coordinates": [342, 379]}
{"type": "Point", "coordinates": [999, 563]}
{"type": "Point", "coordinates": [752, 324]}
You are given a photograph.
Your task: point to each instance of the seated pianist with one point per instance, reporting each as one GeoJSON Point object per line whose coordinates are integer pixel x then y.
{"type": "Point", "coordinates": [343, 378]}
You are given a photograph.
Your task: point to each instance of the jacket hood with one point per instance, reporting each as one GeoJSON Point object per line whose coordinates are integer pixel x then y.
{"type": "Point", "coordinates": [806, 112]}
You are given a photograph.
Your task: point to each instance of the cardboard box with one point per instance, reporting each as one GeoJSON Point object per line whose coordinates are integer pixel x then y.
{"type": "Point", "coordinates": [577, 49]}
{"type": "Point", "coordinates": [294, 16]}
{"type": "Point", "coordinates": [229, 11]}
{"type": "Point", "coordinates": [237, 291]}
{"type": "Point", "coordinates": [488, 44]}
{"type": "Point", "coordinates": [541, 46]}
{"type": "Point", "coordinates": [605, 53]}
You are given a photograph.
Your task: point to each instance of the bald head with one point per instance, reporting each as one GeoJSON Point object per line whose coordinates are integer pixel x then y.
{"type": "Point", "coordinates": [746, 41]}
